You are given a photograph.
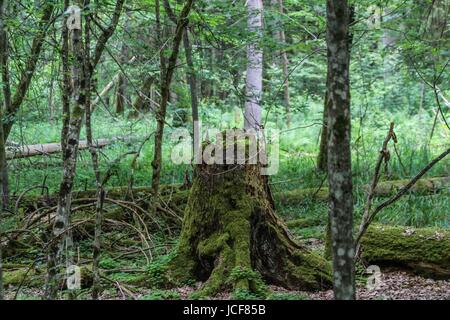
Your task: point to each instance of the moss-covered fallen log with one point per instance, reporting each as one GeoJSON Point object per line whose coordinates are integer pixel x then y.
{"type": "Point", "coordinates": [305, 222]}
{"type": "Point", "coordinates": [35, 277]}
{"type": "Point", "coordinates": [384, 189]}
{"type": "Point", "coordinates": [423, 250]}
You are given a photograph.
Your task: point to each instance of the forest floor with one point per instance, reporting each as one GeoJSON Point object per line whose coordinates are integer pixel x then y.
{"type": "Point", "coordinates": [394, 284]}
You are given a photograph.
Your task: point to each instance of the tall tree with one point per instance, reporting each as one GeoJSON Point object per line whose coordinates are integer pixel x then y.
{"type": "Point", "coordinates": [191, 75]}
{"type": "Point", "coordinates": [339, 156]}
{"type": "Point", "coordinates": [4, 186]}
{"type": "Point", "coordinates": [12, 103]}
{"type": "Point", "coordinates": [253, 88]}
{"type": "Point", "coordinates": [322, 159]}
{"type": "Point", "coordinates": [4, 106]}
{"type": "Point", "coordinates": [167, 72]}
{"type": "Point", "coordinates": [62, 241]}
{"type": "Point", "coordinates": [73, 113]}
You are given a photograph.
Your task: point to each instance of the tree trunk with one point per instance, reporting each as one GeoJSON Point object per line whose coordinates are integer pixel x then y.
{"type": "Point", "coordinates": [339, 155]}
{"type": "Point", "coordinates": [143, 102]}
{"type": "Point", "coordinates": [281, 35]}
{"type": "Point", "coordinates": [49, 148]}
{"type": "Point", "coordinates": [166, 80]}
{"type": "Point", "coordinates": [322, 161]}
{"type": "Point", "coordinates": [253, 90]}
{"type": "Point", "coordinates": [192, 80]}
{"type": "Point", "coordinates": [122, 99]}
{"type": "Point", "coordinates": [61, 246]}
{"type": "Point", "coordinates": [30, 67]}
{"type": "Point", "coordinates": [230, 231]}
{"type": "Point", "coordinates": [4, 185]}
{"type": "Point", "coordinates": [6, 101]}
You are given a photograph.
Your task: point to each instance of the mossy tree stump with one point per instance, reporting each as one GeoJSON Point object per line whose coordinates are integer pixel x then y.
{"type": "Point", "coordinates": [230, 228]}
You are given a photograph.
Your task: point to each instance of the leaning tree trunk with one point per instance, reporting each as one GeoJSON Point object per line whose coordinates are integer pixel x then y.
{"type": "Point", "coordinates": [229, 226]}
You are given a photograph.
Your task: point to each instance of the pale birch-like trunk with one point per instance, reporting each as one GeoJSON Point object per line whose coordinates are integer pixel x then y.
{"type": "Point", "coordinates": [253, 110]}
{"type": "Point", "coordinates": [339, 156]}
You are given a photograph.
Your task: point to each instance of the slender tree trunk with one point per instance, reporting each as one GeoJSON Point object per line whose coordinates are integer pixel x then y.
{"type": "Point", "coordinates": [191, 77]}
{"type": "Point", "coordinates": [122, 98]}
{"type": "Point", "coordinates": [94, 156]}
{"type": "Point", "coordinates": [30, 67]}
{"type": "Point", "coordinates": [61, 244]}
{"type": "Point", "coordinates": [4, 71]}
{"type": "Point", "coordinates": [165, 93]}
{"type": "Point", "coordinates": [281, 35]}
{"type": "Point", "coordinates": [252, 115]}
{"type": "Point", "coordinates": [192, 80]}
{"type": "Point", "coordinates": [4, 185]}
{"type": "Point", "coordinates": [143, 102]}
{"type": "Point", "coordinates": [322, 158]}
{"type": "Point", "coordinates": [339, 156]}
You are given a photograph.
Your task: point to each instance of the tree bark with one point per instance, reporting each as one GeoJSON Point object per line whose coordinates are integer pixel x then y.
{"type": "Point", "coordinates": [339, 155]}
{"type": "Point", "coordinates": [253, 91]}
{"type": "Point", "coordinates": [61, 247]}
{"type": "Point", "coordinates": [6, 101]}
{"type": "Point", "coordinates": [4, 184]}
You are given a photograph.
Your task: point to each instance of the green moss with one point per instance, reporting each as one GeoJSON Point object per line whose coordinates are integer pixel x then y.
{"type": "Point", "coordinates": [162, 295]}
{"type": "Point", "coordinates": [305, 222]}
{"type": "Point", "coordinates": [423, 186]}
{"type": "Point", "coordinates": [254, 280]}
{"type": "Point", "coordinates": [426, 249]}
{"type": "Point", "coordinates": [15, 277]}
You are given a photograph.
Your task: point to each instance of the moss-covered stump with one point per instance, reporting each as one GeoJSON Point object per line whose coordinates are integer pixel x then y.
{"type": "Point", "coordinates": [230, 232]}
{"type": "Point", "coordinates": [425, 251]}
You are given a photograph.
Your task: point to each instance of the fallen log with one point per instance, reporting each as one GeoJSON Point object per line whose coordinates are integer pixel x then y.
{"type": "Point", "coordinates": [384, 189]}
{"type": "Point", "coordinates": [47, 148]}
{"type": "Point", "coordinates": [423, 250]}
{"type": "Point", "coordinates": [35, 277]}
{"type": "Point", "coordinates": [18, 152]}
